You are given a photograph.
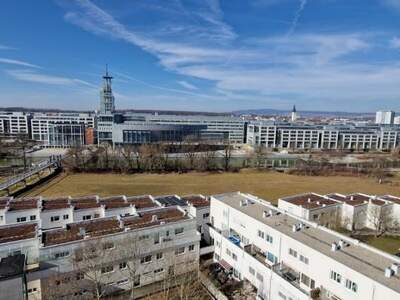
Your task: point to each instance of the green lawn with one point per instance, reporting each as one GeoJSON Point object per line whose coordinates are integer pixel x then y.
{"type": "Point", "coordinates": [385, 243]}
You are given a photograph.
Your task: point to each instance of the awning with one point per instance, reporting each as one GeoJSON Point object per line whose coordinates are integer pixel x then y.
{"type": "Point", "coordinates": [225, 265]}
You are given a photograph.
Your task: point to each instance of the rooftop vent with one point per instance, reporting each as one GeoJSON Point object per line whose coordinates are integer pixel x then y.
{"type": "Point", "coordinates": [351, 198]}
{"type": "Point", "coordinates": [388, 272]}
{"type": "Point", "coordinates": [294, 227]}
{"type": "Point", "coordinates": [309, 200]}
{"type": "Point", "coordinates": [266, 214]}
{"type": "Point", "coordinates": [82, 231]}
{"type": "Point", "coordinates": [396, 268]}
{"type": "Point", "coordinates": [243, 202]}
{"type": "Point", "coordinates": [334, 247]}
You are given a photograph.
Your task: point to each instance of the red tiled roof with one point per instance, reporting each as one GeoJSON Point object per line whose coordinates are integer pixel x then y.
{"type": "Point", "coordinates": [114, 202]}
{"type": "Point", "coordinates": [55, 203]}
{"type": "Point", "coordinates": [85, 202]}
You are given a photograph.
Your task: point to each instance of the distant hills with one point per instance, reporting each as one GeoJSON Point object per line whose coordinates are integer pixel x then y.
{"type": "Point", "coordinates": [277, 112]}
{"type": "Point", "coordinates": [265, 111]}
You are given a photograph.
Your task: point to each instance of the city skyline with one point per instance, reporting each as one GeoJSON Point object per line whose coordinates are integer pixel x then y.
{"type": "Point", "coordinates": [202, 56]}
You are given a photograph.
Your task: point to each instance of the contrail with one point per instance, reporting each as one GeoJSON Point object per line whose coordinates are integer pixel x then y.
{"type": "Point", "coordinates": [297, 17]}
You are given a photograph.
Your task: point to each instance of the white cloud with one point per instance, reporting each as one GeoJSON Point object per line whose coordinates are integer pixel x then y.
{"type": "Point", "coordinates": [32, 76]}
{"type": "Point", "coordinates": [17, 62]}
{"type": "Point", "coordinates": [5, 47]}
{"type": "Point", "coordinates": [295, 21]}
{"type": "Point", "coordinates": [314, 67]}
{"type": "Point", "coordinates": [395, 43]}
{"type": "Point", "coordinates": [392, 3]}
{"type": "Point", "coordinates": [187, 85]}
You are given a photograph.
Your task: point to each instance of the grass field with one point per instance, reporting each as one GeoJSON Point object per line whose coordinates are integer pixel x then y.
{"type": "Point", "coordinates": [266, 185]}
{"type": "Point", "coordinates": [389, 244]}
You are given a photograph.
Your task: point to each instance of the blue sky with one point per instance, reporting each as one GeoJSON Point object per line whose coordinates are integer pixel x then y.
{"type": "Point", "coordinates": [210, 55]}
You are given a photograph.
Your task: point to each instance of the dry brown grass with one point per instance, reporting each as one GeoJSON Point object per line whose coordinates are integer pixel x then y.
{"type": "Point", "coordinates": [267, 185]}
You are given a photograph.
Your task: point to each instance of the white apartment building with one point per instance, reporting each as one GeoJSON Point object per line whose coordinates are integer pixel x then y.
{"type": "Point", "coordinates": [43, 124]}
{"type": "Point", "coordinates": [354, 211]}
{"type": "Point", "coordinates": [300, 137]}
{"type": "Point", "coordinates": [384, 117]}
{"type": "Point", "coordinates": [13, 123]}
{"type": "Point", "coordinates": [288, 258]}
{"type": "Point", "coordinates": [135, 242]}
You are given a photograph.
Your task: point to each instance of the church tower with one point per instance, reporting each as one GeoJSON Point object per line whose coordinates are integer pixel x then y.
{"type": "Point", "coordinates": [107, 105]}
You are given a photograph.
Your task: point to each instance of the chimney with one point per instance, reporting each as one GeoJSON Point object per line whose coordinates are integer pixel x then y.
{"type": "Point", "coordinates": [388, 272]}
{"type": "Point", "coordinates": [153, 218]}
{"type": "Point", "coordinates": [243, 202]}
{"type": "Point", "coordinates": [309, 200]}
{"type": "Point", "coordinates": [294, 227]}
{"type": "Point", "coordinates": [341, 244]}
{"type": "Point", "coordinates": [351, 198]}
{"type": "Point", "coordinates": [334, 246]}
{"type": "Point", "coordinates": [266, 214]}
{"type": "Point", "coordinates": [318, 203]}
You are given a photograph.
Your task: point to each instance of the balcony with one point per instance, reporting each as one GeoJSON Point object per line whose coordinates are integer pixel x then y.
{"type": "Point", "coordinates": [290, 275]}
{"type": "Point", "coordinates": [256, 252]}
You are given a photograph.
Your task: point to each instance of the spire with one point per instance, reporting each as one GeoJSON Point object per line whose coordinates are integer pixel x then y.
{"type": "Point", "coordinates": [107, 70]}
{"type": "Point", "coordinates": [294, 108]}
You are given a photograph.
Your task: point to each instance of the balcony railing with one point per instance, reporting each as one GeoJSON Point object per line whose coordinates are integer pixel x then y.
{"type": "Point", "coordinates": [290, 275]}
{"type": "Point", "coordinates": [256, 252]}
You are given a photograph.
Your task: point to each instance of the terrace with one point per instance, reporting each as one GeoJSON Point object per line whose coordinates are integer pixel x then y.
{"type": "Point", "coordinates": [21, 204]}
{"type": "Point", "coordinates": [80, 230]}
{"type": "Point", "coordinates": [114, 202]}
{"type": "Point", "coordinates": [309, 200]}
{"type": "Point", "coordinates": [141, 202]}
{"type": "Point", "coordinates": [85, 202]}
{"type": "Point", "coordinates": [55, 203]}
{"type": "Point", "coordinates": [256, 252]}
{"type": "Point", "coordinates": [18, 232]}
{"type": "Point", "coordinates": [197, 201]}
{"type": "Point", "coordinates": [290, 275]}
{"type": "Point", "coordinates": [154, 218]}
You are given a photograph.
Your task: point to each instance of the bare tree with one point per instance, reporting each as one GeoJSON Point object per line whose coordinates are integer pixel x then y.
{"type": "Point", "coordinates": [380, 216]}
{"type": "Point", "coordinates": [227, 155]}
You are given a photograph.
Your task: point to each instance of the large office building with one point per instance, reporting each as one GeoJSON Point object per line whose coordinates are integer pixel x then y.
{"type": "Point", "coordinates": [78, 247]}
{"type": "Point", "coordinates": [384, 117]}
{"type": "Point", "coordinates": [14, 123]}
{"type": "Point", "coordinates": [323, 137]}
{"type": "Point", "coordinates": [286, 257]}
{"type": "Point", "coordinates": [61, 129]}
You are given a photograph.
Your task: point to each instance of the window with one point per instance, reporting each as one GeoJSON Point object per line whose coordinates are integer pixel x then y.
{"type": "Point", "coordinates": [206, 215]}
{"type": "Point", "coordinates": [272, 258]}
{"type": "Point", "coordinates": [234, 256]}
{"type": "Point", "coordinates": [108, 245]}
{"type": "Point", "coordinates": [79, 276]}
{"type": "Point", "coordinates": [65, 217]}
{"type": "Point", "coordinates": [107, 269]}
{"type": "Point", "coordinates": [123, 265]}
{"type": "Point", "coordinates": [144, 237]}
{"type": "Point", "coordinates": [305, 279]}
{"type": "Point", "coordinates": [32, 290]}
{"type": "Point", "coordinates": [180, 250]}
{"type": "Point", "coordinates": [260, 277]}
{"type": "Point", "coordinates": [178, 230]}
{"type": "Point", "coordinates": [191, 248]}
{"type": "Point", "coordinates": [158, 270]}
{"type": "Point", "coordinates": [145, 259]}
{"type": "Point", "coordinates": [261, 234]}
{"type": "Point", "coordinates": [268, 238]}
{"type": "Point", "coordinates": [61, 254]}
{"type": "Point", "coordinates": [33, 218]}
{"type": "Point", "coordinates": [293, 252]}
{"type": "Point", "coordinates": [252, 271]}
{"type": "Point", "coordinates": [304, 259]}
{"type": "Point", "coordinates": [216, 256]}
{"type": "Point", "coordinates": [281, 295]}
{"type": "Point", "coordinates": [159, 255]}
{"type": "Point", "coordinates": [228, 252]}
{"type": "Point", "coordinates": [87, 217]}
{"type": "Point", "coordinates": [336, 276]}
{"type": "Point", "coordinates": [55, 218]}
{"type": "Point", "coordinates": [21, 219]}
{"type": "Point", "coordinates": [351, 285]}
{"type": "Point", "coordinates": [136, 280]}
